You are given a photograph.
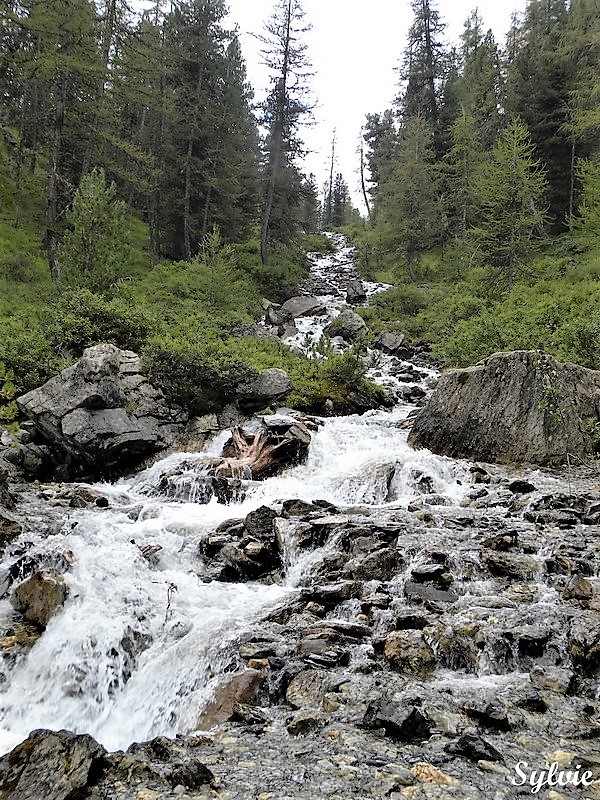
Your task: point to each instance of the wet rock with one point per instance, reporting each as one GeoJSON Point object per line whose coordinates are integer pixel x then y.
{"type": "Point", "coordinates": [521, 487]}
{"type": "Point", "coordinates": [404, 723]}
{"type": "Point", "coordinates": [308, 689]}
{"type": "Point", "coordinates": [51, 765]}
{"type": "Point", "coordinates": [298, 508]}
{"type": "Point", "coordinates": [102, 413]}
{"type": "Point", "coordinates": [490, 715]}
{"type": "Point", "coordinates": [389, 342]}
{"type": "Point", "coordinates": [584, 643]}
{"type": "Point", "coordinates": [348, 325]}
{"type": "Point", "coordinates": [19, 637]}
{"type": "Point", "coordinates": [382, 565]}
{"type": "Point", "coordinates": [191, 775]}
{"type": "Point", "coordinates": [39, 596]}
{"type": "Point", "coordinates": [474, 747]}
{"type": "Point", "coordinates": [517, 407]}
{"type": "Point", "coordinates": [553, 679]}
{"type": "Point", "coordinates": [303, 307]}
{"type": "Point", "coordinates": [10, 528]}
{"type": "Point", "coordinates": [509, 565]}
{"type": "Point", "coordinates": [408, 651]}
{"type": "Point", "coordinates": [578, 588]}
{"type": "Point", "coordinates": [305, 722]}
{"type": "Point", "coordinates": [270, 387]}
{"type": "Point", "coordinates": [235, 690]}
{"type": "Point", "coordinates": [332, 594]}
{"type": "Point", "coordinates": [432, 573]}
{"type": "Point", "coordinates": [427, 773]}
{"type": "Point", "coordinates": [355, 292]}
{"type": "Point", "coordinates": [429, 595]}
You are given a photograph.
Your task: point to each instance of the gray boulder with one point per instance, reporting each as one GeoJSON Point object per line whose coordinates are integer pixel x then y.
{"type": "Point", "coordinates": [49, 765]}
{"type": "Point", "coordinates": [270, 387]}
{"type": "Point", "coordinates": [301, 307]}
{"type": "Point", "coordinates": [348, 325]}
{"type": "Point", "coordinates": [102, 413]}
{"type": "Point", "coordinates": [355, 293]}
{"type": "Point", "coordinates": [512, 408]}
{"type": "Point", "coordinates": [389, 342]}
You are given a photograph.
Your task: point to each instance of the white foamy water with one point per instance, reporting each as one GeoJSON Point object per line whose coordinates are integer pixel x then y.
{"type": "Point", "coordinates": [140, 643]}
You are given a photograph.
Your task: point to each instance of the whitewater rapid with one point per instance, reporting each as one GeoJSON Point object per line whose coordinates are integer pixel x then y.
{"type": "Point", "coordinates": [140, 644]}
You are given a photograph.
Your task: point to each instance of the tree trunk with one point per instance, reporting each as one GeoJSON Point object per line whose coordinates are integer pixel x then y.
{"type": "Point", "coordinates": [52, 199]}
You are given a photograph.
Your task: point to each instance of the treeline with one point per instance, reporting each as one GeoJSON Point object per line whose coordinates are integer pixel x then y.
{"type": "Point", "coordinates": [488, 151]}
{"type": "Point", "coordinates": [160, 104]}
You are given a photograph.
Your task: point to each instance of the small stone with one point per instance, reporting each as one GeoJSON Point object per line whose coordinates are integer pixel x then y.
{"type": "Point", "coordinates": [578, 588]}
{"type": "Point", "coordinates": [427, 773]}
{"type": "Point", "coordinates": [304, 722]}
{"type": "Point", "coordinates": [407, 651]}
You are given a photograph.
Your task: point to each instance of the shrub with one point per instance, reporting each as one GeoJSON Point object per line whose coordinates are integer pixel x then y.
{"type": "Point", "coordinates": [81, 319]}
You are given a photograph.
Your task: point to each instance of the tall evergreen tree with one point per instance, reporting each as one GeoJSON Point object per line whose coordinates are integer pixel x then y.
{"type": "Point", "coordinates": [283, 112]}
{"type": "Point", "coordinates": [410, 214]}
{"type": "Point", "coordinates": [58, 69]}
{"type": "Point", "coordinates": [538, 92]}
{"type": "Point", "coordinates": [479, 88]}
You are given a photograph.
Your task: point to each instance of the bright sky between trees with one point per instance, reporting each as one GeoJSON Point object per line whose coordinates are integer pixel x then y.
{"type": "Point", "coordinates": [354, 47]}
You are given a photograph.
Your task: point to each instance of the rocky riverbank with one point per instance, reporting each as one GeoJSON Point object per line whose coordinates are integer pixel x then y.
{"type": "Point", "coordinates": [372, 622]}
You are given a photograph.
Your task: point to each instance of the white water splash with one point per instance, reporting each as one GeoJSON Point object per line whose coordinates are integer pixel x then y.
{"type": "Point", "coordinates": [137, 648]}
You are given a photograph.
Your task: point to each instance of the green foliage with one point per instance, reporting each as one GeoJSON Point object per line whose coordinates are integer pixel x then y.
{"type": "Point", "coordinates": [26, 352]}
{"type": "Point", "coordinates": [81, 319]}
{"type": "Point", "coordinates": [197, 370]}
{"type": "Point", "coordinates": [8, 407]}
{"type": "Point", "coordinates": [586, 224]}
{"type": "Point", "coordinates": [509, 194]}
{"type": "Point", "coordinates": [95, 249]}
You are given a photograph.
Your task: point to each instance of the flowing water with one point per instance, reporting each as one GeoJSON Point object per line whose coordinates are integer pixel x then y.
{"type": "Point", "coordinates": [140, 644]}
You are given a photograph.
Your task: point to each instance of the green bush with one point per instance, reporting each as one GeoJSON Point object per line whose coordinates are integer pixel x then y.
{"type": "Point", "coordinates": [81, 318]}
{"type": "Point", "coordinates": [25, 350]}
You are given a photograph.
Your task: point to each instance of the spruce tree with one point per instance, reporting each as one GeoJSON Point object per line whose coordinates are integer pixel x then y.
{"type": "Point", "coordinates": [283, 113]}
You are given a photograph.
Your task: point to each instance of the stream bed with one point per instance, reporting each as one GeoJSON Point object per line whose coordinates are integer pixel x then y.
{"type": "Point", "coordinates": [431, 624]}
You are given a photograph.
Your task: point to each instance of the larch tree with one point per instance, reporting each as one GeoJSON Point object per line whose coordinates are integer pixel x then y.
{"type": "Point", "coordinates": [510, 195]}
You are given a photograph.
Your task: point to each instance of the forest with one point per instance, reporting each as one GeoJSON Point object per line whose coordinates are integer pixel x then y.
{"type": "Point", "coordinates": [147, 200]}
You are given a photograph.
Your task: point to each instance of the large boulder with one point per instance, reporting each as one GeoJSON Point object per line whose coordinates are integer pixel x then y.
{"type": "Point", "coordinates": [270, 387]}
{"type": "Point", "coordinates": [347, 324]}
{"type": "Point", "coordinates": [302, 306]}
{"type": "Point", "coordinates": [102, 413]}
{"type": "Point", "coordinates": [50, 765]}
{"type": "Point", "coordinates": [513, 408]}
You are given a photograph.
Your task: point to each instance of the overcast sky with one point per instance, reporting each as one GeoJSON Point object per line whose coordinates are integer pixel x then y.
{"type": "Point", "coordinates": [354, 47]}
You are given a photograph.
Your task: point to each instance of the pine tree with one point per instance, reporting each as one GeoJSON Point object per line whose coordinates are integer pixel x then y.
{"type": "Point", "coordinates": [425, 69]}
{"type": "Point", "coordinates": [538, 85]}
{"type": "Point", "coordinates": [510, 195]}
{"type": "Point", "coordinates": [95, 246]}
{"type": "Point", "coordinates": [410, 218]}
{"type": "Point", "coordinates": [283, 112]}
{"type": "Point", "coordinates": [479, 88]}
{"type": "Point", "coordinates": [57, 70]}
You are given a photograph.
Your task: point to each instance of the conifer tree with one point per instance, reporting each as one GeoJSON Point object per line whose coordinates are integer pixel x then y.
{"type": "Point", "coordinates": [283, 112]}
{"type": "Point", "coordinates": [410, 214]}
{"type": "Point", "coordinates": [510, 205]}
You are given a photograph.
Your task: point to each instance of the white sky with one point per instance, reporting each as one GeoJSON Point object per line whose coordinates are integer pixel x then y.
{"type": "Point", "coordinates": [354, 47]}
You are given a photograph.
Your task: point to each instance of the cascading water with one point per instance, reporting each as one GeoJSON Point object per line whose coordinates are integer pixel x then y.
{"type": "Point", "coordinates": [146, 634]}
